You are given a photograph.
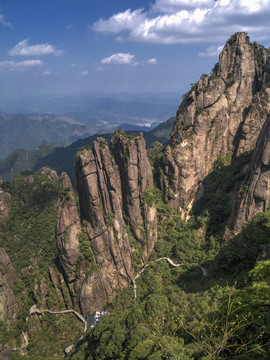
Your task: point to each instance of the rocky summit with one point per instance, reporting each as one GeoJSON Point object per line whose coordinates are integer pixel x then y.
{"type": "Point", "coordinates": [221, 113]}
{"type": "Point", "coordinates": [226, 112]}
{"type": "Point", "coordinates": [167, 249]}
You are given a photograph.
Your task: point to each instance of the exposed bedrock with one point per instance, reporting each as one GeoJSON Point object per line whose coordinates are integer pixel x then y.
{"type": "Point", "coordinates": [256, 190]}
{"type": "Point", "coordinates": [221, 113]}
{"type": "Point", "coordinates": [95, 250]}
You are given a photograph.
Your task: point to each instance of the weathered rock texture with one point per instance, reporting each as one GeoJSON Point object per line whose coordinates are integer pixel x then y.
{"type": "Point", "coordinates": [257, 195]}
{"type": "Point", "coordinates": [8, 304]}
{"type": "Point", "coordinates": [5, 206]}
{"type": "Point", "coordinates": [224, 112]}
{"type": "Point", "coordinates": [68, 228]}
{"type": "Point", "coordinates": [221, 113]}
{"type": "Point", "coordinates": [110, 184]}
{"type": "Point", "coordinates": [136, 177]}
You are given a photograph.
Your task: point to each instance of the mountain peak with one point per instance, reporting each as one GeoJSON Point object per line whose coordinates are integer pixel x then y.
{"type": "Point", "coordinates": [238, 38]}
{"type": "Point", "coordinates": [221, 113]}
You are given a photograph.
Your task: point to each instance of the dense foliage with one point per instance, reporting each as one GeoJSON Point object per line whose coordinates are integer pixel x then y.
{"type": "Point", "coordinates": [216, 306]}
{"type": "Point", "coordinates": [29, 240]}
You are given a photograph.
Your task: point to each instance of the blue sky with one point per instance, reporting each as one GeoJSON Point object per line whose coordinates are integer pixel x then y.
{"type": "Point", "coordinates": [66, 46]}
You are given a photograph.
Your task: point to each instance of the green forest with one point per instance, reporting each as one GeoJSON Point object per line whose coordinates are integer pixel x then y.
{"type": "Point", "coordinates": [214, 306]}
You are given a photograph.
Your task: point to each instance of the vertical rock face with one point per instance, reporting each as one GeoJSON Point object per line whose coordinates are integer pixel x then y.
{"type": "Point", "coordinates": [136, 177]}
{"type": "Point", "coordinates": [221, 113]}
{"type": "Point", "coordinates": [5, 206]}
{"type": "Point", "coordinates": [68, 228]}
{"type": "Point", "coordinates": [8, 304]}
{"type": "Point", "coordinates": [99, 190]}
{"type": "Point", "coordinates": [257, 195]}
{"type": "Point", "coordinates": [95, 251]}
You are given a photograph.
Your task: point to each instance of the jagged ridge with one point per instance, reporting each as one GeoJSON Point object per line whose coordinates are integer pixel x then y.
{"type": "Point", "coordinates": [110, 182]}
{"type": "Point", "coordinates": [221, 113]}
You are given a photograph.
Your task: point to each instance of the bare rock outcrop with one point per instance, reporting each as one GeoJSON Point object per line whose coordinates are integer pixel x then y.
{"type": "Point", "coordinates": [96, 249]}
{"type": "Point", "coordinates": [99, 189]}
{"type": "Point", "coordinates": [8, 304]}
{"type": "Point", "coordinates": [5, 206]}
{"type": "Point", "coordinates": [256, 194]}
{"type": "Point", "coordinates": [68, 229]}
{"type": "Point", "coordinates": [136, 175]}
{"type": "Point", "coordinates": [223, 112]}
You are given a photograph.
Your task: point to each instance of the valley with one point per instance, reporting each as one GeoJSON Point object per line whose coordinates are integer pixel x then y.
{"type": "Point", "coordinates": [165, 230]}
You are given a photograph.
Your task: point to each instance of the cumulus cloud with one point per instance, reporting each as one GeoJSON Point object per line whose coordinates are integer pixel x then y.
{"type": "Point", "coordinates": [172, 6]}
{"type": "Point", "coordinates": [127, 20]}
{"type": "Point", "coordinates": [152, 61]}
{"type": "Point", "coordinates": [119, 58]}
{"type": "Point", "coordinates": [124, 59]}
{"type": "Point", "coordinates": [186, 21]}
{"type": "Point", "coordinates": [19, 65]}
{"type": "Point", "coordinates": [211, 51]}
{"type": "Point", "coordinates": [24, 49]}
{"type": "Point", "coordinates": [4, 22]}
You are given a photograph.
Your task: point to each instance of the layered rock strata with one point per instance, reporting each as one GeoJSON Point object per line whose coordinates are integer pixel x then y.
{"type": "Point", "coordinates": [221, 113]}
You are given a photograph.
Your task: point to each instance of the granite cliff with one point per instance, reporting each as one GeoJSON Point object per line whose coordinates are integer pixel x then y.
{"type": "Point", "coordinates": [221, 113]}
{"type": "Point", "coordinates": [8, 303]}
{"type": "Point", "coordinates": [257, 185]}
{"type": "Point", "coordinates": [115, 228]}
{"type": "Point", "coordinates": [115, 233]}
{"type": "Point", "coordinates": [97, 252]}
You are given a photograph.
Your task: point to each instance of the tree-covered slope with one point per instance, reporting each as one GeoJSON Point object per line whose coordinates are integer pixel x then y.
{"type": "Point", "coordinates": [173, 243]}
{"type": "Point", "coordinates": [28, 238]}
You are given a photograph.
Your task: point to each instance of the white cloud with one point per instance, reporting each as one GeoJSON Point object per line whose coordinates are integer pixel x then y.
{"type": "Point", "coordinates": [46, 73]}
{"type": "Point", "coordinates": [119, 58]}
{"type": "Point", "coordinates": [186, 21]}
{"type": "Point", "coordinates": [211, 51]}
{"type": "Point", "coordinates": [254, 5]}
{"type": "Point", "coordinates": [152, 61]}
{"type": "Point", "coordinates": [4, 22]}
{"type": "Point", "coordinates": [127, 20]}
{"type": "Point", "coordinates": [125, 59]}
{"type": "Point", "coordinates": [84, 73]}
{"type": "Point", "coordinates": [24, 49]}
{"type": "Point", "coordinates": [19, 65]}
{"type": "Point", "coordinates": [172, 6]}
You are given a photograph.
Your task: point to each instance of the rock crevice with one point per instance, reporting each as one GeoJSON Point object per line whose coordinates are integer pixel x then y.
{"type": "Point", "coordinates": [221, 113]}
{"type": "Point", "coordinates": [96, 249]}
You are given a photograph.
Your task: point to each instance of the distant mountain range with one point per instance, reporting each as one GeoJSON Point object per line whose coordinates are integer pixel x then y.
{"type": "Point", "coordinates": [29, 131]}
{"type": "Point", "coordinates": [63, 158]}
{"type": "Point", "coordinates": [58, 121]}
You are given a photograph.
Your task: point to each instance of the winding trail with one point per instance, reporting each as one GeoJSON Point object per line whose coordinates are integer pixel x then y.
{"type": "Point", "coordinates": [35, 310]}
{"type": "Point", "coordinates": [142, 270]}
